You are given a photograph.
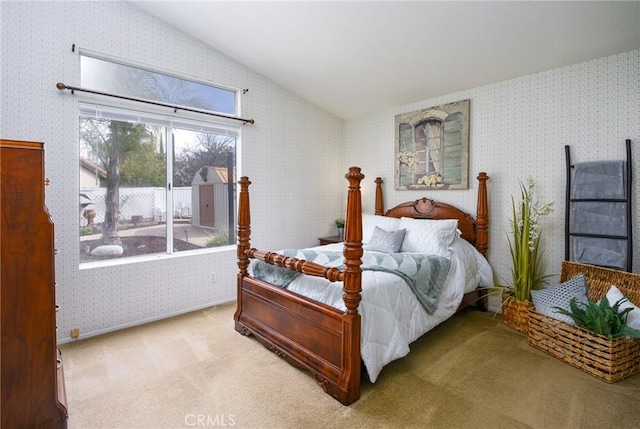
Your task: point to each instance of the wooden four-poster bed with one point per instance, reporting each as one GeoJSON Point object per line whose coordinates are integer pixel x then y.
{"type": "Point", "coordinates": [318, 337]}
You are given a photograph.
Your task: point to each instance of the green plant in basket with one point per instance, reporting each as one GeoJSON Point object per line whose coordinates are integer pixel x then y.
{"type": "Point", "coordinates": [526, 252]}
{"type": "Point", "coordinates": [602, 318]}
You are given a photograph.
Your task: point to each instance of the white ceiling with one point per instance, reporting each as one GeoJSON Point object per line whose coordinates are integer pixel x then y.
{"type": "Point", "coordinates": [356, 57]}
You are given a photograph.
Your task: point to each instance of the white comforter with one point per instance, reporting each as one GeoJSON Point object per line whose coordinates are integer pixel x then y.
{"type": "Point", "coordinates": [392, 316]}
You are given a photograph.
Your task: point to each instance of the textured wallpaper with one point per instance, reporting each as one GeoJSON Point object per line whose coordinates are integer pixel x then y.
{"type": "Point", "coordinates": [295, 155]}
{"type": "Point", "coordinates": [289, 154]}
{"type": "Point", "coordinates": [519, 128]}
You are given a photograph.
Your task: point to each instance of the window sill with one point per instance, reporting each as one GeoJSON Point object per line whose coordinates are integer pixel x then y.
{"type": "Point", "coordinates": [155, 257]}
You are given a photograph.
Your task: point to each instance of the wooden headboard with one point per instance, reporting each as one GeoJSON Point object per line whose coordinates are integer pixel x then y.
{"type": "Point", "coordinates": [474, 230]}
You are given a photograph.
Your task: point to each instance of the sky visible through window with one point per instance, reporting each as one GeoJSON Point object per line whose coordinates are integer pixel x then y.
{"type": "Point", "coordinates": [111, 77]}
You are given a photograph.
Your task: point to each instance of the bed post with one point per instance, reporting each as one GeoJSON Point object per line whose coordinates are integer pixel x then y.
{"type": "Point", "coordinates": [352, 288]}
{"type": "Point", "coordinates": [482, 215]}
{"type": "Point", "coordinates": [244, 235]}
{"type": "Point", "coordinates": [482, 230]}
{"type": "Point", "coordinates": [379, 208]}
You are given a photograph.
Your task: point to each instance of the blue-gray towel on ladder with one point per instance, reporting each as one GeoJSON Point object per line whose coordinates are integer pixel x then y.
{"type": "Point", "coordinates": [599, 180]}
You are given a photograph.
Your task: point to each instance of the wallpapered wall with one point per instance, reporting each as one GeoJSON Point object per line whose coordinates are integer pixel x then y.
{"type": "Point", "coordinates": [296, 154]}
{"type": "Point", "coordinates": [519, 129]}
{"type": "Point", "coordinates": [289, 154]}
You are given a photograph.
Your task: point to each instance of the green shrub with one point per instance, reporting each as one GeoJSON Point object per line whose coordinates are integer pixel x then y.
{"type": "Point", "coordinates": [602, 318]}
{"type": "Point", "coordinates": [86, 230]}
{"type": "Point", "coordinates": [219, 239]}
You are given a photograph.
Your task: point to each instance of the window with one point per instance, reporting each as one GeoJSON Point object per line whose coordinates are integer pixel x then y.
{"type": "Point", "coordinates": [153, 182]}
{"type": "Point", "coordinates": [115, 78]}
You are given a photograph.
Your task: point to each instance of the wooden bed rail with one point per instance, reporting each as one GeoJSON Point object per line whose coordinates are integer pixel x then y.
{"type": "Point", "coordinates": [352, 241]}
{"type": "Point", "coordinates": [300, 265]}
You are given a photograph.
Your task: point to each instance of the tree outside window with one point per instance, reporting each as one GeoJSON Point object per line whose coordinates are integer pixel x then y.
{"type": "Point", "coordinates": [164, 186]}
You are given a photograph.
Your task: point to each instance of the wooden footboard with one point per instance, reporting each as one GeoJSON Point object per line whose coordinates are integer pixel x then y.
{"type": "Point", "coordinates": [309, 334]}
{"type": "Point", "coordinates": [315, 336]}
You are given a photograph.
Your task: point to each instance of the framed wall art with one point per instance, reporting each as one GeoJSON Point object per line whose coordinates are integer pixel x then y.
{"type": "Point", "coordinates": [432, 148]}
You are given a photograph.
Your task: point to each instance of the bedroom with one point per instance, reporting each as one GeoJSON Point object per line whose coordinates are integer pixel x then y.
{"type": "Point", "coordinates": [571, 101]}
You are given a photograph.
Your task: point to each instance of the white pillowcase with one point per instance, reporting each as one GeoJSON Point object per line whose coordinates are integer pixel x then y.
{"type": "Point", "coordinates": [385, 241]}
{"type": "Point", "coordinates": [369, 222]}
{"type": "Point", "coordinates": [428, 236]}
{"type": "Point", "coordinates": [633, 317]}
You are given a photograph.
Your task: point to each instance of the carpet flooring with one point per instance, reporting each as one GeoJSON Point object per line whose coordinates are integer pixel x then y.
{"type": "Point", "coordinates": [195, 370]}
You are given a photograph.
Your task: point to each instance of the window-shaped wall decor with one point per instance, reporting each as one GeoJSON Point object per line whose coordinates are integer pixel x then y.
{"type": "Point", "coordinates": [432, 148]}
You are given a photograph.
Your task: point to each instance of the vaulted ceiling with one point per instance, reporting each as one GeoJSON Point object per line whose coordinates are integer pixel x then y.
{"type": "Point", "coordinates": [355, 57]}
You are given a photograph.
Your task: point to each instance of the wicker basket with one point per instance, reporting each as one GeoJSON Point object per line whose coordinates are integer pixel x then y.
{"type": "Point", "coordinates": [609, 360]}
{"type": "Point", "coordinates": [515, 313]}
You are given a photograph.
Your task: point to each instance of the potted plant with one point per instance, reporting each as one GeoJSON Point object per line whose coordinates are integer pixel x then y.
{"type": "Point", "coordinates": [340, 225]}
{"type": "Point", "coordinates": [528, 270]}
{"type": "Point", "coordinates": [602, 318]}
{"type": "Point", "coordinates": [600, 343]}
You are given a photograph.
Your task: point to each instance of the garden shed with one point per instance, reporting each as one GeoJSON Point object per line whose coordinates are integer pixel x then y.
{"type": "Point", "coordinates": [211, 198]}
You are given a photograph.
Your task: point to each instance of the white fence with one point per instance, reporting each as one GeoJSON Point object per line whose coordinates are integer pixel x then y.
{"type": "Point", "coordinates": [150, 203]}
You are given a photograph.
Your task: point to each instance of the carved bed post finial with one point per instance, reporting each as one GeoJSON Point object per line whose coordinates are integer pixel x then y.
{"type": "Point", "coordinates": [244, 236]}
{"type": "Point", "coordinates": [482, 215]}
{"type": "Point", "coordinates": [244, 224]}
{"type": "Point", "coordinates": [379, 209]}
{"type": "Point", "coordinates": [353, 242]}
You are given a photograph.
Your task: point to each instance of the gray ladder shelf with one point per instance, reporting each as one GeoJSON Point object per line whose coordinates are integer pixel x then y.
{"type": "Point", "coordinates": [569, 234]}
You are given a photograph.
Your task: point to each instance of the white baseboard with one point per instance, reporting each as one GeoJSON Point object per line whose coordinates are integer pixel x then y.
{"type": "Point", "coordinates": [142, 322]}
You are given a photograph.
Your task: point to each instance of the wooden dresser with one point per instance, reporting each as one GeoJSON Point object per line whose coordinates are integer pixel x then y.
{"type": "Point", "coordinates": [33, 394]}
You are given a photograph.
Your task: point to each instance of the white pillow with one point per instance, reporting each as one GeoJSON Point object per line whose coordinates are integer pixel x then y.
{"type": "Point", "coordinates": [369, 222]}
{"type": "Point", "coordinates": [428, 236]}
{"type": "Point", "coordinates": [545, 300]}
{"type": "Point", "coordinates": [385, 241]}
{"type": "Point", "coordinates": [633, 317]}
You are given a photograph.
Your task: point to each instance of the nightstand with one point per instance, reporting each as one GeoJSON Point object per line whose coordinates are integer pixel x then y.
{"type": "Point", "coordinates": [329, 240]}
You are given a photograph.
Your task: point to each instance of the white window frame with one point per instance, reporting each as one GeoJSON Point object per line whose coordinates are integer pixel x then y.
{"type": "Point", "coordinates": [195, 79]}
{"type": "Point", "coordinates": [183, 121]}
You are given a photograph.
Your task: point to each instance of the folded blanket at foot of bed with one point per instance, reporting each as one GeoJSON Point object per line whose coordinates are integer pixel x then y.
{"type": "Point", "coordinates": [424, 274]}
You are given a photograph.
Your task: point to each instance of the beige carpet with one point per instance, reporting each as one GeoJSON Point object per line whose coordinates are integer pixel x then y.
{"type": "Point", "coordinates": [195, 370]}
